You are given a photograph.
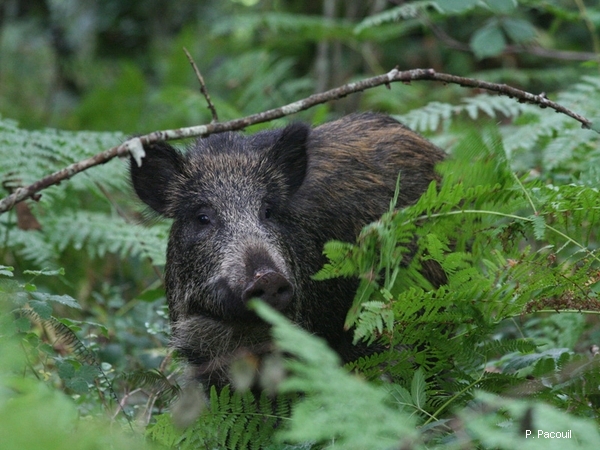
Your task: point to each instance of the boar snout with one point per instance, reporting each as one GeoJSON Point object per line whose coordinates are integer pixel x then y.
{"type": "Point", "coordinates": [271, 287]}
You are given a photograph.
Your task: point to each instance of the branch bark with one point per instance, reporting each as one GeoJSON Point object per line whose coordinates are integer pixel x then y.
{"type": "Point", "coordinates": [135, 145]}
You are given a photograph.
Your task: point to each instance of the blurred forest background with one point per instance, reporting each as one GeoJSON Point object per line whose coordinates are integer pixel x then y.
{"type": "Point", "coordinates": [119, 65]}
{"type": "Point", "coordinates": [78, 76]}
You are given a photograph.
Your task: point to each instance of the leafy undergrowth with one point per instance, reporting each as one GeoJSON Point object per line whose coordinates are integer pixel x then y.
{"type": "Point", "coordinates": [506, 348]}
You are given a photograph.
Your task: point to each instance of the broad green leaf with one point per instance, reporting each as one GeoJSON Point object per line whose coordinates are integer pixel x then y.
{"type": "Point", "coordinates": [78, 385]}
{"type": "Point", "coordinates": [62, 299]}
{"type": "Point", "coordinates": [42, 309]}
{"type": "Point", "coordinates": [518, 30]}
{"type": "Point", "coordinates": [488, 41]}
{"type": "Point", "coordinates": [7, 271]}
{"type": "Point", "coordinates": [66, 370]}
{"type": "Point", "coordinates": [457, 6]}
{"type": "Point", "coordinates": [417, 389]}
{"type": "Point", "coordinates": [501, 6]}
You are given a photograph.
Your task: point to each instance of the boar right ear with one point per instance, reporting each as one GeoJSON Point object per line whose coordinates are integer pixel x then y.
{"type": "Point", "coordinates": [153, 179]}
{"type": "Point", "coordinates": [290, 154]}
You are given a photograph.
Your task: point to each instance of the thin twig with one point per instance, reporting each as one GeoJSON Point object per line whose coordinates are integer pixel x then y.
{"type": "Point", "coordinates": [394, 75]}
{"type": "Point", "coordinates": [203, 90]}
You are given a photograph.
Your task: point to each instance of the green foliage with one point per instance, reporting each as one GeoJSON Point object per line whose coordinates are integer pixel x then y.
{"type": "Point", "coordinates": [496, 422]}
{"type": "Point", "coordinates": [510, 244]}
{"type": "Point", "coordinates": [432, 116]}
{"type": "Point", "coordinates": [120, 66]}
{"type": "Point", "coordinates": [229, 420]}
{"type": "Point", "coordinates": [403, 12]}
{"type": "Point", "coordinates": [80, 368]}
{"type": "Point", "coordinates": [84, 214]}
{"type": "Point", "coordinates": [351, 413]}
{"type": "Point", "coordinates": [33, 415]}
{"type": "Point", "coordinates": [491, 39]}
{"type": "Point", "coordinates": [31, 410]}
{"type": "Point", "coordinates": [336, 406]}
{"type": "Point", "coordinates": [304, 27]}
{"type": "Point", "coordinates": [513, 226]}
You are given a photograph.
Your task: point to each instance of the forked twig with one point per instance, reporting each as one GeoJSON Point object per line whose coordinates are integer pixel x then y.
{"type": "Point", "coordinates": [203, 90]}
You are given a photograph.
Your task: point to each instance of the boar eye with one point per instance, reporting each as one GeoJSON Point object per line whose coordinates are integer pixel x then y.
{"type": "Point", "coordinates": [204, 216]}
{"type": "Point", "coordinates": [203, 219]}
{"type": "Point", "coordinates": [266, 211]}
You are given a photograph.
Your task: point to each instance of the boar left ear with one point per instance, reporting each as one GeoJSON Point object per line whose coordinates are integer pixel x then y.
{"type": "Point", "coordinates": [153, 180]}
{"type": "Point", "coordinates": [290, 154]}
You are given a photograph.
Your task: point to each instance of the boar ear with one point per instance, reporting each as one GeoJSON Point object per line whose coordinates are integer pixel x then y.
{"type": "Point", "coordinates": [153, 179]}
{"type": "Point", "coordinates": [290, 154]}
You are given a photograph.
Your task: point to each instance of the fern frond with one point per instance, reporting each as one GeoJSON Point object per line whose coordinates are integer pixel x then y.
{"type": "Point", "coordinates": [28, 156]}
{"type": "Point", "coordinates": [65, 335]}
{"type": "Point", "coordinates": [156, 381]}
{"type": "Point", "coordinates": [31, 245]}
{"type": "Point", "coordinates": [306, 27]}
{"type": "Point", "coordinates": [354, 413]}
{"type": "Point", "coordinates": [100, 234]}
{"type": "Point", "coordinates": [73, 214]}
{"type": "Point", "coordinates": [79, 350]}
{"type": "Point", "coordinates": [96, 232]}
{"type": "Point", "coordinates": [233, 420]}
{"type": "Point", "coordinates": [407, 11]}
{"type": "Point", "coordinates": [494, 348]}
{"type": "Point", "coordinates": [431, 116]}
{"type": "Point", "coordinates": [340, 264]}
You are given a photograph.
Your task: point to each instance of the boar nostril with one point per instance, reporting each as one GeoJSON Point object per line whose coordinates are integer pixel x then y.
{"type": "Point", "coordinates": [271, 287]}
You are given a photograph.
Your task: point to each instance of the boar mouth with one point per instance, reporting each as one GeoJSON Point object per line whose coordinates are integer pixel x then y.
{"type": "Point", "coordinates": [196, 336]}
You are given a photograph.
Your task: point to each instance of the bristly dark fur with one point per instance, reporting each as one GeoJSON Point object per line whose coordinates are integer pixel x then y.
{"type": "Point", "coordinates": [251, 215]}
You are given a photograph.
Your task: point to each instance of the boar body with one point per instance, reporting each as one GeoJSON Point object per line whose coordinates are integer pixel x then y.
{"type": "Point", "coordinates": [251, 215]}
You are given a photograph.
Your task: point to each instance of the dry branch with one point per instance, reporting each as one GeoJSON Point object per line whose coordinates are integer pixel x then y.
{"type": "Point", "coordinates": [135, 145]}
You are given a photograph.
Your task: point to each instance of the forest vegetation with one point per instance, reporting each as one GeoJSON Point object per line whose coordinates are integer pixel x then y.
{"type": "Point", "coordinates": [511, 343]}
